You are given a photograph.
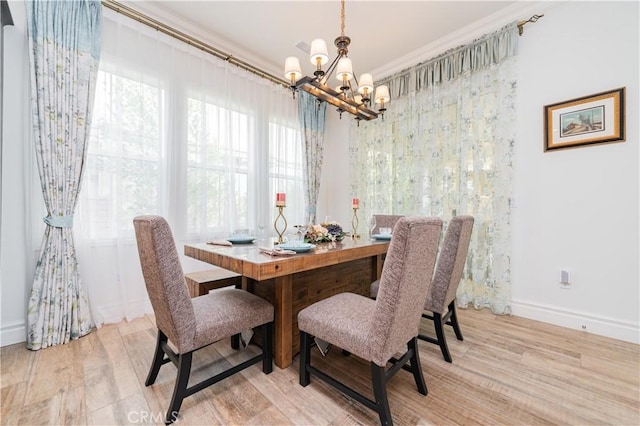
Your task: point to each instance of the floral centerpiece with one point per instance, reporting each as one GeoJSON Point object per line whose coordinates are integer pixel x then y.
{"type": "Point", "coordinates": [324, 233]}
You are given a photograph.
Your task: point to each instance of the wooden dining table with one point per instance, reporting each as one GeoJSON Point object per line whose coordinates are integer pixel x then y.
{"type": "Point", "coordinates": [294, 282]}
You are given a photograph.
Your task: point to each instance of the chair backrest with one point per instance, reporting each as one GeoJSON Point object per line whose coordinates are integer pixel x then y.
{"type": "Point", "coordinates": [403, 288]}
{"type": "Point", "coordinates": [164, 279]}
{"type": "Point", "coordinates": [450, 264]}
{"type": "Point", "coordinates": [385, 221]}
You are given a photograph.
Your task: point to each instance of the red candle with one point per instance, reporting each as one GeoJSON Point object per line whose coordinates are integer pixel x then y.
{"type": "Point", "coordinates": [355, 203]}
{"type": "Point", "coordinates": [281, 199]}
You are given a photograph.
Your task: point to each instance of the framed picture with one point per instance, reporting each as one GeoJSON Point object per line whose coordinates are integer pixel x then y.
{"type": "Point", "coordinates": [590, 120]}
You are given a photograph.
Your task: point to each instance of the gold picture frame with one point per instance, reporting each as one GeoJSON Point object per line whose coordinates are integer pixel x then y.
{"type": "Point", "coordinates": [589, 120]}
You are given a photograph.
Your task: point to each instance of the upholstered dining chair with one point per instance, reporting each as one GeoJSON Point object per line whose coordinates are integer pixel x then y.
{"type": "Point", "coordinates": [385, 221]}
{"type": "Point", "coordinates": [376, 330]}
{"type": "Point", "coordinates": [441, 297]}
{"type": "Point", "coordinates": [191, 324]}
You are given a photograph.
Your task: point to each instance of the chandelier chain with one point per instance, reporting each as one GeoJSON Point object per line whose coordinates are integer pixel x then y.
{"type": "Point", "coordinates": [342, 19]}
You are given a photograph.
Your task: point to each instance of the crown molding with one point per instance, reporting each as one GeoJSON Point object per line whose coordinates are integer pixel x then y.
{"type": "Point", "coordinates": [516, 12]}
{"type": "Point", "coordinates": [153, 9]}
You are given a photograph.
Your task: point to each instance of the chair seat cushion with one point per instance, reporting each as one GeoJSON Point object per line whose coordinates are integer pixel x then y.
{"type": "Point", "coordinates": [228, 312]}
{"type": "Point", "coordinates": [343, 320]}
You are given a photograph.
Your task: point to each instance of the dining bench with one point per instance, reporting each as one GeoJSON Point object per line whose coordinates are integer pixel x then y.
{"type": "Point", "coordinates": [201, 282]}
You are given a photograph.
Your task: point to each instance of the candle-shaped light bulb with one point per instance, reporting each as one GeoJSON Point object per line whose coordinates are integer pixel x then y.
{"type": "Point", "coordinates": [318, 53]}
{"type": "Point", "coordinates": [292, 70]}
{"type": "Point", "coordinates": [366, 85]}
{"type": "Point", "coordinates": [344, 69]}
{"type": "Point", "coordinates": [382, 94]}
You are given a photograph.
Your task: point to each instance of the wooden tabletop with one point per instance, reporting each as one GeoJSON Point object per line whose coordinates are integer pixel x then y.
{"type": "Point", "coordinates": [246, 259]}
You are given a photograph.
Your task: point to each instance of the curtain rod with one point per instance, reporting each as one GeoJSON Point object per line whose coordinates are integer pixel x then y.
{"type": "Point", "coordinates": [163, 28]}
{"type": "Point", "coordinates": [521, 24]}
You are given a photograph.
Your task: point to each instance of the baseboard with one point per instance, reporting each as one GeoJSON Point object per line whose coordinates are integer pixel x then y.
{"type": "Point", "coordinates": [16, 332]}
{"type": "Point", "coordinates": [114, 313]}
{"type": "Point", "coordinates": [13, 333]}
{"type": "Point", "coordinates": [609, 327]}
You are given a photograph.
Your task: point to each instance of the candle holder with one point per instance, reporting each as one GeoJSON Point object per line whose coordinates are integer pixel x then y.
{"type": "Point", "coordinates": [276, 227]}
{"type": "Point", "coordinates": [354, 224]}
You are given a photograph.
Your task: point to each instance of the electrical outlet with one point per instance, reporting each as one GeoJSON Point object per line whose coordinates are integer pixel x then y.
{"type": "Point", "coordinates": [565, 279]}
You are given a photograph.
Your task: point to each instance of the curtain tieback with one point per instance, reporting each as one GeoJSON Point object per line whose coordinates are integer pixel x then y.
{"type": "Point", "coordinates": [59, 221]}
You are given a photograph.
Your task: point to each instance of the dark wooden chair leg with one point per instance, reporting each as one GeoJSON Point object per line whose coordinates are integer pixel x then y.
{"type": "Point", "coordinates": [378, 376]}
{"type": "Point", "coordinates": [158, 356]}
{"type": "Point", "coordinates": [267, 347]}
{"type": "Point", "coordinates": [416, 368]}
{"type": "Point", "coordinates": [442, 341]}
{"type": "Point", "coordinates": [305, 358]}
{"type": "Point", "coordinates": [180, 389]}
{"type": "Point", "coordinates": [454, 320]}
{"type": "Point", "coordinates": [235, 341]}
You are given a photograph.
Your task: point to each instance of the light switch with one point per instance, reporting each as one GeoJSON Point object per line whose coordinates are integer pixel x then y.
{"type": "Point", "coordinates": [564, 277]}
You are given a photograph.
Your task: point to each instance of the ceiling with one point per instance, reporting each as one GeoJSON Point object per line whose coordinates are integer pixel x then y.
{"type": "Point", "coordinates": [264, 33]}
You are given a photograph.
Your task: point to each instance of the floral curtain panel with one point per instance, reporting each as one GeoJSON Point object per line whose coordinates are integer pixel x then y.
{"type": "Point", "coordinates": [312, 123]}
{"type": "Point", "coordinates": [64, 42]}
{"type": "Point", "coordinates": [446, 149]}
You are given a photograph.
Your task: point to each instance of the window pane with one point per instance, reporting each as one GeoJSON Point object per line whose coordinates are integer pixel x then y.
{"type": "Point", "coordinates": [122, 174]}
{"type": "Point", "coordinates": [218, 144]}
{"type": "Point", "coordinates": [285, 169]}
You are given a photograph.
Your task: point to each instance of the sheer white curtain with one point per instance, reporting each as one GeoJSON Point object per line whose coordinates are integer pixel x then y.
{"type": "Point", "coordinates": [179, 133]}
{"type": "Point", "coordinates": [447, 150]}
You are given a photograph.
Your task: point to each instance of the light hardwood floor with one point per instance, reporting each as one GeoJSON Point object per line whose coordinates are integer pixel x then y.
{"type": "Point", "coordinates": [508, 371]}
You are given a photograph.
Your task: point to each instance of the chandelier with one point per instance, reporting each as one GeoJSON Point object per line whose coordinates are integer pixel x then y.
{"type": "Point", "coordinates": [351, 95]}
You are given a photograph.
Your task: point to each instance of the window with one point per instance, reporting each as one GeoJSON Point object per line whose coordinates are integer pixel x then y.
{"type": "Point", "coordinates": [207, 168]}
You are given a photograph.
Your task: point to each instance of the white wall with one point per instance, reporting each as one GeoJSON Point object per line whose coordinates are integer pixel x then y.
{"type": "Point", "coordinates": [16, 251]}
{"type": "Point", "coordinates": [578, 209]}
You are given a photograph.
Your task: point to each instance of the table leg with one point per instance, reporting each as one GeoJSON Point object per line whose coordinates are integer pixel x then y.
{"type": "Point", "coordinates": [283, 341]}
{"type": "Point", "coordinates": [376, 270]}
{"type": "Point", "coordinates": [245, 283]}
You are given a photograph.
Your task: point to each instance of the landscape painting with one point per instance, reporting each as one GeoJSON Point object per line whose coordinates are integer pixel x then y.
{"type": "Point", "coordinates": [590, 120]}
